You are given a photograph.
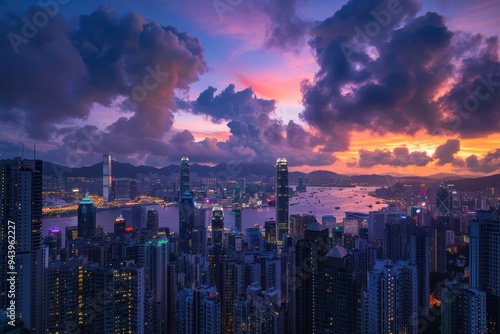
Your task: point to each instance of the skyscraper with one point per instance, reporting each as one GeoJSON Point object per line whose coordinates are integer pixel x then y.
{"type": "Point", "coordinates": [21, 208]}
{"type": "Point", "coordinates": [443, 201]}
{"type": "Point", "coordinates": [203, 311]}
{"type": "Point", "coordinates": [152, 220]}
{"type": "Point", "coordinates": [281, 200]}
{"type": "Point", "coordinates": [119, 226]}
{"type": "Point", "coordinates": [106, 177]}
{"type": "Point", "coordinates": [484, 259]}
{"type": "Point", "coordinates": [86, 218]}
{"type": "Point", "coordinates": [185, 185]}
{"type": "Point", "coordinates": [419, 256]}
{"type": "Point", "coordinates": [217, 224]}
{"type": "Point", "coordinates": [237, 218]}
{"type": "Point", "coordinates": [345, 281]}
{"type": "Point", "coordinates": [217, 251]}
{"type": "Point", "coordinates": [392, 298]}
{"type": "Point", "coordinates": [186, 222]}
{"type": "Point", "coordinates": [310, 295]}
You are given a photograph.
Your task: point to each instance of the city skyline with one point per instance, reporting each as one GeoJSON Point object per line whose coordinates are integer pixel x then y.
{"type": "Point", "coordinates": [236, 91]}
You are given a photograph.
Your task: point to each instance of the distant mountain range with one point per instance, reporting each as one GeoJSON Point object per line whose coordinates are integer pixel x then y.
{"type": "Point", "coordinates": [222, 170]}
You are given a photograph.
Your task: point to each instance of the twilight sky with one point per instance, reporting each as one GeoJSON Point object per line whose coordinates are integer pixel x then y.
{"type": "Point", "coordinates": [360, 86]}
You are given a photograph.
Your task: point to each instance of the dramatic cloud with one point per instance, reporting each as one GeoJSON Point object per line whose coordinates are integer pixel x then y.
{"type": "Point", "coordinates": [400, 157]}
{"type": "Point", "coordinates": [385, 70]}
{"type": "Point", "coordinates": [256, 133]}
{"type": "Point", "coordinates": [287, 30]}
{"type": "Point", "coordinates": [445, 154]}
{"type": "Point", "coordinates": [60, 73]}
{"type": "Point", "coordinates": [489, 163]}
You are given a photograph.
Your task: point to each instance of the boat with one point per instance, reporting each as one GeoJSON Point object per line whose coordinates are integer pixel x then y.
{"type": "Point", "coordinates": [337, 207]}
{"type": "Point", "coordinates": [370, 206]}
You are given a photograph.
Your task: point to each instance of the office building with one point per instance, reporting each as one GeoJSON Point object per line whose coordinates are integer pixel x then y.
{"type": "Point", "coordinates": [86, 218]}
{"type": "Point", "coordinates": [152, 223]}
{"type": "Point", "coordinates": [186, 222]}
{"type": "Point", "coordinates": [119, 226]}
{"type": "Point", "coordinates": [444, 201]}
{"type": "Point", "coordinates": [484, 259]}
{"type": "Point", "coordinates": [392, 297]}
{"type": "Point", "coordinates": [21, 207]}
{"type": "Point", "coordinates": [185, 178]}
{"type": "Point", "coordinates": [463, 310]}
{"type": "Point", "coordinates": [281, 200]}
{"type": "Point", "coordinates": [106, 177]}
{"type": "Point", "coordinates": [203, 311]}
{"type": "Point", "coordinates": [419, 256]}
{"type": "Point", "coordinates": [298, 224]}
{"type": "Point", "coordinates": [217, 252]}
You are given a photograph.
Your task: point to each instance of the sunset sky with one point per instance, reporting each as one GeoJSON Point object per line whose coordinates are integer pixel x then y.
{"type": "Point", "coordinates": [360, 86]}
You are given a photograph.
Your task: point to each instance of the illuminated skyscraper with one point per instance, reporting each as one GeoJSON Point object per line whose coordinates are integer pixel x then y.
{"type": "Point", "coordinates": [392, 297]}
{"type": "Point", "coordinates": [217, 225]}
{"type": "Point", "coordinates": [21, 211]}
{"type": "Point", "coordinates": [86, 218]}
{"type": "Point", "coordinates": [185, 185]}
{"type": "Point", "coordinates": [237, 218]}
{"type": "Point", "coordinates": [119, 226]}
{"type": "Point", "coordinates": [106, 177]}
{"type": "Point", "coordinates": [281, 200]}
{"type": "Point", "coordinates": [217, 251]}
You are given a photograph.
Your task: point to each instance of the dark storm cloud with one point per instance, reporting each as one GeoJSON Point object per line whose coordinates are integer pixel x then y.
{"type": "Point", "coordinates": [256, 134]}
{"type": "Point", "coordinates": [400, 157]}
{"type": "Point", "coordinates": [489, 163]}
{"type": "Point", "coordinates": [382, 69]}
{"type": "Point", "coordinates": [61, 72]}
{"type": "Point", "coordinates": [445, 154]}
{"type": "Point", "coordinates": [287, 29]}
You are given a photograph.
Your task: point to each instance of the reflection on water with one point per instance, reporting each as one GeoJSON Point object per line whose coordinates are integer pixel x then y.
{"type": "Point", "coordinates": [318, 201]}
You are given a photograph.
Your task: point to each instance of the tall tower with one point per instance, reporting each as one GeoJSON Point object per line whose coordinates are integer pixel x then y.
{"type": "Point", "coordinates": [443, 201]}
{"type": "Point", "coordinates": [419, 256]}
{"type": "Point", "coordinates": [106, 177]}
{"type": "Point", "coordinates": [186, 222]}
{"type": "Point", "coordinates": [217, 252]}
{"type": "Point", "coordinates": [484, 257]}
{"type": "Point", "coordinates": [281, 200]}
{"type": "Point", "coordinates": [86, 218]}
{"type": "Point", "coordinates": [392, 297]}
{"type": "Point", "coordinates": [21, 212]}
{"type": "Point", "coordinates": [310, 272]}
{"type": "Point", "coordinates": [185, 185]}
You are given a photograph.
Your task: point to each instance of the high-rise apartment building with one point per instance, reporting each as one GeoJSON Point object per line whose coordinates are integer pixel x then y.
{"type": "Point", "coordinates": [21, 212]}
